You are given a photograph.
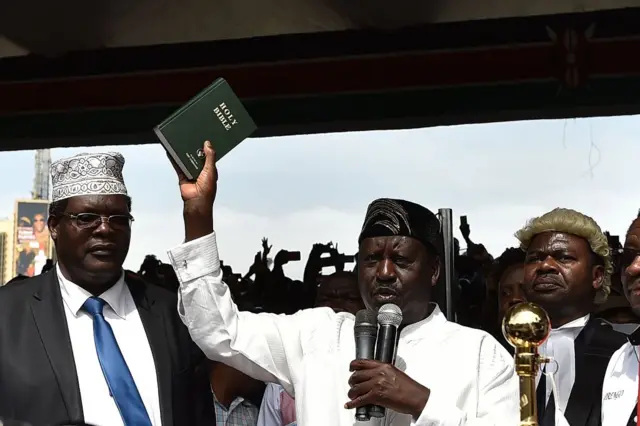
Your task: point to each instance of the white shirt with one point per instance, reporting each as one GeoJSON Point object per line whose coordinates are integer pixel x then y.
{"type": "Point", "coordinates": [272, 412]}
{"type": "Point", "coordinates": [560, 346]}
{"type": "Point", "coordinates": [470, 375]}
{"type": "Point", "coordinates": [620, 386]}
{"type": "Point", "coordinates": [121, 313]}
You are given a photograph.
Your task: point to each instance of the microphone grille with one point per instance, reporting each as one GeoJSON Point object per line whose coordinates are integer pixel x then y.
{"type": "Point", "coordinates": [365, 317]}
{"type": "Point", "coordinates": [390, 314]}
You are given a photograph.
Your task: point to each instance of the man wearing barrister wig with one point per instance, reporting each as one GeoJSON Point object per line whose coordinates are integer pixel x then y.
{"type": "Point", "coordinates": [446, 374]}
{"type": "Point", "coordinates": [85, 341]}
{"type": "Point", "coordinates": [567, 271]}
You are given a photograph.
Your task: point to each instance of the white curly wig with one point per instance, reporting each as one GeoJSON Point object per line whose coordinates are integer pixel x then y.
{"type": "Point", "coordinates": [572, 222]}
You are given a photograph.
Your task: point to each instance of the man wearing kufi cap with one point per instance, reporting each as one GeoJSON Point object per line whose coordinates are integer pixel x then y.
{"type": "Point", "coordinates": [445, 374]}
{"type": "Point", "coordinates": [85, 342]}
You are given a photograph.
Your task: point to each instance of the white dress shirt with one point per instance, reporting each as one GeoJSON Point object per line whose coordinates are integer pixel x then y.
{"type": "Point", "coordinates": [272, 412]}
{"type": "Point", "coordinates": [560, 346]}
{"type": "Point", "coordinates": [121, 313]}
{"type": "Point", "coordinates": [620, 386]}
{"type": "Point", "coordinates": [470, 375]}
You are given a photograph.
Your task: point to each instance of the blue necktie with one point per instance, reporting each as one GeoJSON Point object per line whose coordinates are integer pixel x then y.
{"type": "Point", "coordinates": [115, 370]}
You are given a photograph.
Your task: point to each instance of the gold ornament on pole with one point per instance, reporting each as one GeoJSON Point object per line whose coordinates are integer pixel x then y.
{"type": "Point", "coordinates": [526, 326]}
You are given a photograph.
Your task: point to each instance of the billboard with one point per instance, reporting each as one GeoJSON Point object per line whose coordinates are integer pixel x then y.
{"type": "Point", "coordinates": [32, 244]}
{"type": "Point", "coordinates": [4, 276]}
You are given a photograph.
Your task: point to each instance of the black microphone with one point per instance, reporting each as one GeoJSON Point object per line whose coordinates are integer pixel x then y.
{"type": "Point", "coordinates": [365, 330]}
{"type": "Point", "coordinates": [389, 318]}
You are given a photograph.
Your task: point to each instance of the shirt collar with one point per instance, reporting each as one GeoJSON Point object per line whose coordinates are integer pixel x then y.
{"type": "Point", "coordinates": [417, 330]}
{"type": "Point", "coordinates": [628, 355]}
{"type": "Point", "coordinates": [575, 324]}
{"type": "Point", "coordinates": [74, 296]}
{"type": "Point", "coordinates": [238, 400]}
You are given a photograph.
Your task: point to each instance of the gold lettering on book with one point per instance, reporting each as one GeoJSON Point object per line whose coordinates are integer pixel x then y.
{"type": "Point", "coordinates": [225, 116]}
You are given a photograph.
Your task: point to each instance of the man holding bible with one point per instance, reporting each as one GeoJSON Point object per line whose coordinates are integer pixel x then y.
{"type": "Point", "coordinates": [445, 374]}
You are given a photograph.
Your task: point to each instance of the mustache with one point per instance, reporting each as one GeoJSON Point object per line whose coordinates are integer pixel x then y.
{"type": "Point", "coordinates": [386, 283]}
{"type": "Point", "coordinates": [548, 278]}
{"type": "Point", "coordinates": [379, 287]}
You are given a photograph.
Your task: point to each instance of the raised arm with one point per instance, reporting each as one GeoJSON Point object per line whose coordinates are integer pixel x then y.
{"type": "Point", "coordinates": [264, 346]}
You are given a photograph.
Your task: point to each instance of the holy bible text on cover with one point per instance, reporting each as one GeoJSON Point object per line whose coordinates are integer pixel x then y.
{"type": "Point", "coordinates": [216, 115]}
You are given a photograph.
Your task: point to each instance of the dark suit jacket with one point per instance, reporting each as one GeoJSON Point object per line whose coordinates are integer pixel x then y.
{"type": "Point", "coordinates": [593, 348]}
{"type": "Point", "coordinates": [38, 379]}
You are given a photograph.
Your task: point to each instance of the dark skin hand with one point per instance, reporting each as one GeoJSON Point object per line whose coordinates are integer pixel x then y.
{"type": "Point", "coordinates": [198, 197]}
{"type": "Point", "coordinates": [383, 384]}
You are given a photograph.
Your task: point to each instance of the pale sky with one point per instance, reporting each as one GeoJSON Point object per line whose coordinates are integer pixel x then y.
{"type": "Point", "coordinates": [300, 190]}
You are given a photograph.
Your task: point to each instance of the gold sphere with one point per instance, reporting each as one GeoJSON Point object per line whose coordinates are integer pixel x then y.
{"type": "Point", "coordinates": [526, 325]}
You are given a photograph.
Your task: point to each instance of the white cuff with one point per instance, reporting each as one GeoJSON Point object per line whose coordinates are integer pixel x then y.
{"type": "Point", "coordinates": [195, 259]}
{"type": "Point", "coordinates": [440, 412]}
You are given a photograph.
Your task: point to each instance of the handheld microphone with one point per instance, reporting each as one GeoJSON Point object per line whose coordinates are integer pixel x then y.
{"type": "Point", "coordinates": [389, 318]}
{"type": "Point", "coordinates": [365, 330]}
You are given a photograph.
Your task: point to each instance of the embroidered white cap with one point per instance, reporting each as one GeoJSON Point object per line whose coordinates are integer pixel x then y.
{"type": "Point", "coordinates": [88, 174]}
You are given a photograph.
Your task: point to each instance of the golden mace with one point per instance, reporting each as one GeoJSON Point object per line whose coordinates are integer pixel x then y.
{"type": "Point", "coordinates": [526, 326]}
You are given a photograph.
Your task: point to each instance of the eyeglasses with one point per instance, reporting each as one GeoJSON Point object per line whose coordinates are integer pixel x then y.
{"type": "Point", "coordinates": [93, 220]}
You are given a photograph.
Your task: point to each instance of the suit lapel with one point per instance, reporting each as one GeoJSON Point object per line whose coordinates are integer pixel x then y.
{"type": "Point", "coordinates": [549, 417]}
{"type": "Point", "coordinates": [587, 388]}
{"type": "Point", "coordinates": [51, 322]}
{"type": "Point", "coordinates": [153, 319]}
